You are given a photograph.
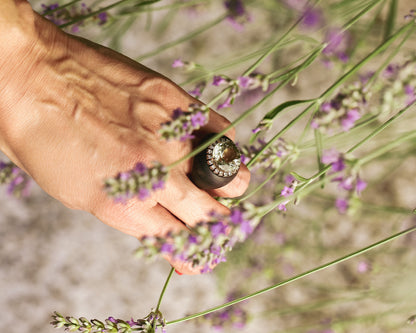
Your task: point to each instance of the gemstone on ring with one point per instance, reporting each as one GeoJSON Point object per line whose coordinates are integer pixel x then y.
{"type": "Point", "coordinates": [217, 165]}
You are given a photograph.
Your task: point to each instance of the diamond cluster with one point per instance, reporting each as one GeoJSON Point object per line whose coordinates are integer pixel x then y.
{"type": "Point", "coordinates": [223, 157]}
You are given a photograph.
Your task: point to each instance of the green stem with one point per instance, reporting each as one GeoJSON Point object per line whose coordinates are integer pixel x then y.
{"type": "Point", "coordinates": [334, 86]}
{"type": "Point", "coordinates": [182, 39]}
{"type": "Point", "coordinates": [385, 148]}
{"type": "Point", "coordinates": [380, 128]}
{"type": "Point", "coordinates": [103, 9]}
{"type": "Point", "coordinates": [162, 293]}
{"type": "Point", "coordinates": [298, 277]}
{"type": "Point", "coordinates": [274, 47]}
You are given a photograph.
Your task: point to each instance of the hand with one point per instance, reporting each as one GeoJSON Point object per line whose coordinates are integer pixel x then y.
{"type": "Point", "coordinates": [74, 113]}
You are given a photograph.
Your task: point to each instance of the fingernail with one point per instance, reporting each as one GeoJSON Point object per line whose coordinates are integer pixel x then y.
{"type": "Point", "coordinates": [177, 272]}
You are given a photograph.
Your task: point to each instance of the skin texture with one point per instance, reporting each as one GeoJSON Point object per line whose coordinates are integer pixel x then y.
{"type": "Point", "coordinates": [73, 113]}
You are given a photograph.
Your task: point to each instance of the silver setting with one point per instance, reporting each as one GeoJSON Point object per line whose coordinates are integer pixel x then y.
{"type": "Point", "coordinates": [223, 157]}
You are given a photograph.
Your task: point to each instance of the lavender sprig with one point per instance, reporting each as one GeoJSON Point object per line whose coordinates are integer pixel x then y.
{"type": "Point", "coordinates": [149, 324]}
{"type": "Point", "coordinates": [17, 181]}
{"type": "Point", "coordinates": [349, 182]}
{"type": "Point", "coordinates": [208, 242]}
{"type": "Point", "coordinates": [139, 182]}
{"type": "Point", "coordinates": [272, 156]}
{"type": "Point", "coordinates": [60, 16]}
{"type": "Point", "coordinates": [343, 110]}
{"type": "Point", "coordinates": [184, 123]}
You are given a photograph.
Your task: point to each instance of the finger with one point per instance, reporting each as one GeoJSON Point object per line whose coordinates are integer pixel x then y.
{"type": "Point", "coordinates": [217, 123]}
{"type": "Point", "coordinates": [236, 187]}
{"type": "Point", "coordinates": [187, 202]}
{"type": "Point", "coordinates": [131, 218]}
{"type": "Point", "coordinates": [138, 218]}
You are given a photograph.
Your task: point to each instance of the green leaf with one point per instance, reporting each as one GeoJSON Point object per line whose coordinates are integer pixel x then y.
{"type": "Point", "coordinates": [299, 177]}
{"type": "Point", "coordinates": [267, 120]}
{"type": "Point", "coordinates": [391, 19]}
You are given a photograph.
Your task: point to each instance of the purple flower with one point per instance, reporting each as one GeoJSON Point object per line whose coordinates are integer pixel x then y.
{"type": "Point", "coordinates": [244, 81]}
{"type": "Point", "coordinates": [236, 216]}
{"type": "Point", "coordinates": [138, 182]}
{"type": "Point", "coordinates": [198, 119]}
{"type": "Point", "coordinates": [287, 191]}
{"type": "Point", "coordinates": [349, 120]}
{"type": "Point", "coordinates": [124, 176]}
{"type": "Point", "coordinates": [143, 194]}
{"type": "Point", "coordinates": [103, 18]}
{"type": "Point", "coordinates": [346, 183]}
{"type": "Point", "coordinates": [246, 228]}
{"type": "Point", "coordinates": [282, 207]}
{"type": "Point", "coordinates": [178, 63]}
{"type": "Point", "coordinates": [342, 205]}
{"type": "Point", "coordinates": [333, 157]}
{"type": "Point", "coordinates": [185, 123]}
{"type": "Point", "coordinates": [338, 165]}
{"type": "Point", "coordinates": [218, 229]}
{"type": "Point", "coordinates": [209, 240]}
{"type": "Point", "coordinates": [335, 39]}
{"type": "Point", "coordinates": [197, 91]}
{"type": "Point", "coordinates": [140, 168]}
{"type": "Point", "coordinates": [390, 71]}
{"type": "Point", "coordinates": [237, 14]}
{"type": "Point", "coordinates": [112, 319]}
{"type": "Point", "coordinates": [217, 80]}
{"type": "Point", "coordinates": [410, 92]}
{"type": "Point", "coordinates": [167, 248]}
{"type": "Point", "coordinates": [326, 107]}
{"type": "Point", "coordinates": [177, 113]}
{"type": "Point", "coordinates": [289, 179]}
{"type": "Point", "coordinates": [226, 104]}
{"type": "Point", "coordinates": [158, 185]}
{"type": "Point", "coordinates": [360, 185]}
{"type": "Point", "coordinates": [363, 266]}
{"type": "Point", "coordinates": [312, 18]}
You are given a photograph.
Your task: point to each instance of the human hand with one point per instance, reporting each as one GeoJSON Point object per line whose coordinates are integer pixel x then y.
{"type": "Point", "coordinates": [74, 114]}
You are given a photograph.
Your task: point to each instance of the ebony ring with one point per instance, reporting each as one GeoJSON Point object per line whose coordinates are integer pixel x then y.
{"type": "Point", "coordinates": [217, 165]}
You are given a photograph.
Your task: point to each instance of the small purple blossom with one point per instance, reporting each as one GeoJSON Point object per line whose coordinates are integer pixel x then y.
{"type": "Point", "coordinates": [143, 194]}
{"type": "Point", "coordinates": [342, 205]}
{"type": "Point", "coordinates": [335, 158]}
{"type": "Point", "coordinates": [18, 182]}
{"type": "Point", "coordinates": [343, 110]}
{"type": "Point", "coordinates": [337, 42]}
{"type": "Point", "coordinates": [177, 63]}
{"type": "Point", "coordinates": [349, 120]}
{"type": "Point", "coordinates": [198, 119]}
{"type": "Point", "coordinates": [244, 81]}
{"type": "Point", "coordinates": [139, 182]}
{"type": "Point", "coordinates": [360, 185]}
{"type": "Point", "coordinates": [206, 244]}
{"type": "Point", "coordinates": [197, 91]}
{"type": "Point", "coordinates": [237, 14]}
{"type": "Point", "coordinates": [184, 123]}
{"type": "Point", "coordinates": [60, 16]}
{"type": "Point", "coordinates": [410, 93]}
{"type": "Point", "coordinates": [312, 18]}
{"type": "Point", "coordinates": [282, 207]}
{"type": "Point", "coordinates": [218, 80]}
{"type": "Point", "coordinates": [218, 229]}
{"type": "Point", "coordinates": [287, 191]}
{"type": "Point", "coordinates": [363, 266]}
{"type": "Point", "coordinates": [226, 104]}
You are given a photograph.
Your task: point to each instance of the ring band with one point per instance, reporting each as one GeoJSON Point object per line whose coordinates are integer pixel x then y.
{"type": "Point", "coordinates": [217, 165]}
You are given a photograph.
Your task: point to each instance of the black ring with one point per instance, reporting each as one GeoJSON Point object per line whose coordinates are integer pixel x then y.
{"type": "Point", "coordinates": [217, 165]}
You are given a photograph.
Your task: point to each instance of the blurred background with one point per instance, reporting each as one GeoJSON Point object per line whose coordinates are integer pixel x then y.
{"type": "Point", "coordinates": [57, 259]}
